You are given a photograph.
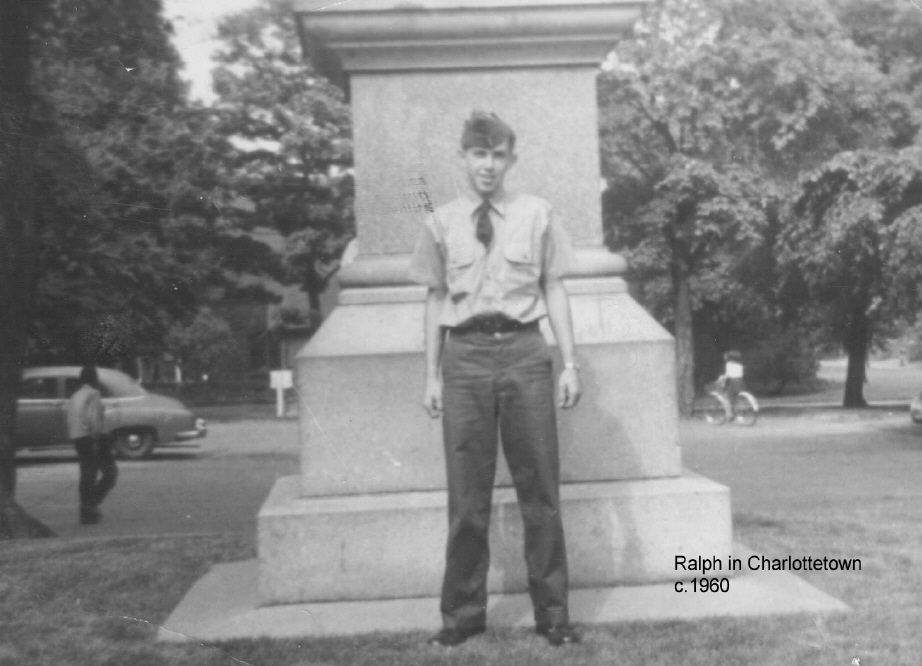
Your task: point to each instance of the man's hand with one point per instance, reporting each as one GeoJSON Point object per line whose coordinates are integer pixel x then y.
{"type": "Point", "coordinates": [432, 397]}
{"type": "Point", "coordinates": [568, 388]}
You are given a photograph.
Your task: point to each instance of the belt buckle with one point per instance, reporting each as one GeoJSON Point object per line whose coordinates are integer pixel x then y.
{"type": "Point", "coordinates": [495, 325]}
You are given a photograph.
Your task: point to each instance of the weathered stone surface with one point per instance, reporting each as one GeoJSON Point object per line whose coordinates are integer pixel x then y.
{"type": "Point", "coordinates": [360, 385]}
{"type": "Point", "coordinates": [391, 545]}
{"type": "Point", "coordinates": [415, 162]}
{"type": "Point", "coordinates": [343, 38]}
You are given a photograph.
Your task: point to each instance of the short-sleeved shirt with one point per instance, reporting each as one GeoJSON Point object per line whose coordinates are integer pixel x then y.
{"type": "Point", "coordinates": [85, 415]}
{"type": "Point", "coordinates": [733, 370]}
{"type": "Point", "coordinates": [528, 247]}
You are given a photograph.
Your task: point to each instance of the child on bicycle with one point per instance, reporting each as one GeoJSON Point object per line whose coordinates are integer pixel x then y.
{"type": "Point", "coordinates": [731, 381]}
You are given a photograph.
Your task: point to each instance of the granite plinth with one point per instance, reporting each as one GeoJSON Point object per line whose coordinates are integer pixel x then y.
{"type": "Point", "coordinates": [366, 519]}
{"type": "Point", "coordinates": [392, 545]}
{"type": "Point", "coordinates": [360, 385]}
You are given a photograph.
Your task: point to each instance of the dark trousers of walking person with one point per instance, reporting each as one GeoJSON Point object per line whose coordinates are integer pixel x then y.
{"type": "Point", "coordinates": [98, 473]}
{"type": "Point", "coordinates": [501, 383]}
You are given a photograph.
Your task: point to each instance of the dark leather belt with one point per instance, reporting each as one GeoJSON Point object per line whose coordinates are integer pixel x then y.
{"type": "Point", "coordinates": [493, 324]}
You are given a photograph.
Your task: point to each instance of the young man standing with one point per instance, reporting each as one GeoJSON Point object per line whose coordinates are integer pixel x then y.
{"type": "Point", "coordinates": [86, 428]}
{"type": "Point", "coordinates": [493, 262]}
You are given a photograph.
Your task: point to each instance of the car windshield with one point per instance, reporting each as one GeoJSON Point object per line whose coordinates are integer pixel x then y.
{"type": "Point", "coordinates": [117, 385]}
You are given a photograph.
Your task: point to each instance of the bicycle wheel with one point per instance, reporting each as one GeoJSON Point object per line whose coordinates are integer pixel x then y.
{"type": "Point", "coordinates": [746, 409]}
{"type": "Point", "coordinates": [713, 409]}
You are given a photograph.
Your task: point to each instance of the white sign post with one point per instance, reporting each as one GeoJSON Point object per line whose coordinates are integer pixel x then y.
{"type": "Point", "coordinates": [280, 380]}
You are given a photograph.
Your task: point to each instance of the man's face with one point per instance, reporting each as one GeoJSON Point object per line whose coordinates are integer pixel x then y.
{"type": "Point", "coordinates": [486, 167]}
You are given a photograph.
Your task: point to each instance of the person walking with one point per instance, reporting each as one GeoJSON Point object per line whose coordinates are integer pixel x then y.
{"type": "Point", "coordinates": [493, 262]}
{"type": "Point", "coordinates": [86, 428]}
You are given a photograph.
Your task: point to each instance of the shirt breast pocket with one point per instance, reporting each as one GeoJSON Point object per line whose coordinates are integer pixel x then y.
{"type": "Point", "coordinates": [523, 267]}
{"type": "Point", "coordinates": [459, 270]}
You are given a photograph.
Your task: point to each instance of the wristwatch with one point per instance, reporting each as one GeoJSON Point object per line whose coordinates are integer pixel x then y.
{"type": "Point", "coordinates": [571, 366]}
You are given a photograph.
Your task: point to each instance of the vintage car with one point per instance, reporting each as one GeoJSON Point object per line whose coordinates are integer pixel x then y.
{"type": "Point", "coordinates": [138, 420]}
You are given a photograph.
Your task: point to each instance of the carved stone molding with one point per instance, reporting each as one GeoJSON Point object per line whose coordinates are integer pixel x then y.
{"type": "Point", "coordinates": [383, 35]}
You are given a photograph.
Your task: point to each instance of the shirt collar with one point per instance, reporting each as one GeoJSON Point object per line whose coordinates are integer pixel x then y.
{"type": "Point", "coordinates": [497, 202]}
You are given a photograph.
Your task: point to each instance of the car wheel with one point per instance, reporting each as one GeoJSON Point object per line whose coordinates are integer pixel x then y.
{"type": "Point", "coordinates": [135, 445]}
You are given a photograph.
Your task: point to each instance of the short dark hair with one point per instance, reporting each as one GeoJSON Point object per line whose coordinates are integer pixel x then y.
{"type": "Point", "coordinates": [88, 375]}
{"type": "Point", "coordinates": [486, 130]}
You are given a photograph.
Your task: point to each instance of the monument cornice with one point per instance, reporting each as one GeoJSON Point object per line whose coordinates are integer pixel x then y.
{"type": "Point", "coordinates": [381, 35]}
{"type": "Point", "coordinates": [393, 270]}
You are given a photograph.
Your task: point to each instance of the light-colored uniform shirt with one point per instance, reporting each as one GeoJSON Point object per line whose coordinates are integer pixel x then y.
{"type": "Point", "coordinates": [528, 246]}
{"type": "Point", "coordinates": [85, 414]}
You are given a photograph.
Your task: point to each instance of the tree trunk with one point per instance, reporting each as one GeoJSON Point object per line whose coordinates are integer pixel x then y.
{"type": "Point", "coordinates": [17, 239]}
{"type": "Point", "coordinates": [685, 343]}
{"type": "Point", "coordinates": [857, 343]}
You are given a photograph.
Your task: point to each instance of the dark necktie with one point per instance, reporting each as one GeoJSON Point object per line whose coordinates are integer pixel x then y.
{"type": "Point", "coordinates": [484, 225]}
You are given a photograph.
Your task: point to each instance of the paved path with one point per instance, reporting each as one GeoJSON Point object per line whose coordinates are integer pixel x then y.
{"type": "Point", "coordinates": [785, 462]}
{"type": "Point", "coordinates": [216, 485]}
{"type": "Point", "coordinates": [814, 458]}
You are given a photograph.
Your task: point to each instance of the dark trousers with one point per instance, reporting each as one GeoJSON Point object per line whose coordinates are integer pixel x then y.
{"type": "Point", "coordinates": [501, 384]}
{"type": "Point", "coordinates": [734, 386]}
{"type": "Point", "coordinates": [97, 470]}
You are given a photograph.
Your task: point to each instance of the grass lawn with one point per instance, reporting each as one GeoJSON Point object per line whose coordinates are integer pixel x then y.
{"type": "Point", "coordinates": [98, 603]}
{"type": "Point", "coordinates": [887, 381]}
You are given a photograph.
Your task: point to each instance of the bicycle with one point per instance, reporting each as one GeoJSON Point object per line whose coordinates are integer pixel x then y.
{"type": "Point", "coordinates": [715, 407]}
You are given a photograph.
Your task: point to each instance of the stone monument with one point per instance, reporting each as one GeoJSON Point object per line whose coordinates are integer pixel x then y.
{"type": "Point", "coordinates": [366, 518]}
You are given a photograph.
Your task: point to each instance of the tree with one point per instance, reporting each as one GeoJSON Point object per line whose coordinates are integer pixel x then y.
{"type": "Point", "coordinates": [112, 196]}
{"type": "Point", "coordinates": [702, 223]}
{"type": "Point", "coordinates": [855, 240]}
{"type": "Point", "coordinates": [750, 93]}
{"type": "Point", "coordinates": [204, 346]}
{"type": "Point", "coordinates": [855, 204]}
{"type": "Point", "coordinates": [18, 240]}
{"type": "Point", "coordinates": [290, 134]}
{"type": "Point", "coordinates": [891, 32]}
{"type": "Point", "coordinates": [134, 228]}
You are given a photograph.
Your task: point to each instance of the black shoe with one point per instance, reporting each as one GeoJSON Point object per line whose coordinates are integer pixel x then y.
{"type": "Point", "coordinates": [561, 634]}
{"type": "Point", "coordinates": [90, 516]}
{"type": "Point", "coordinates": [449, 637]}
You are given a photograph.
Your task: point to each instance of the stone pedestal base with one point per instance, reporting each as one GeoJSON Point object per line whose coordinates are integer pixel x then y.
{"type": "Point", "coordinates": [391, 545]}
{"type": "Point", "coordinates": [360, 384]}
{"type": "Point", "coordinates": [367, 517]}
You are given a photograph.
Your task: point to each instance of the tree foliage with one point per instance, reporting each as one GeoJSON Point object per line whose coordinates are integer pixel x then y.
{"type": "Point", "coordinates": [851, 239]}
{"type": "Point", "coordinates": [131, 226]}
{"type": "Point", "coordinates": [855, 240]}
{"type": "Point", "coordinates": [891, 33]}
{"type": "Point", "coordinates": [289, 132]}
{"type": "Point", "coordinates": [107, 76]}
{"type": "Point", "coordinates": [112, 222]}
{"type": "Point", "coordinates": [752, 93]}
{"type": "Point", "coordinates": [206, 346]}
